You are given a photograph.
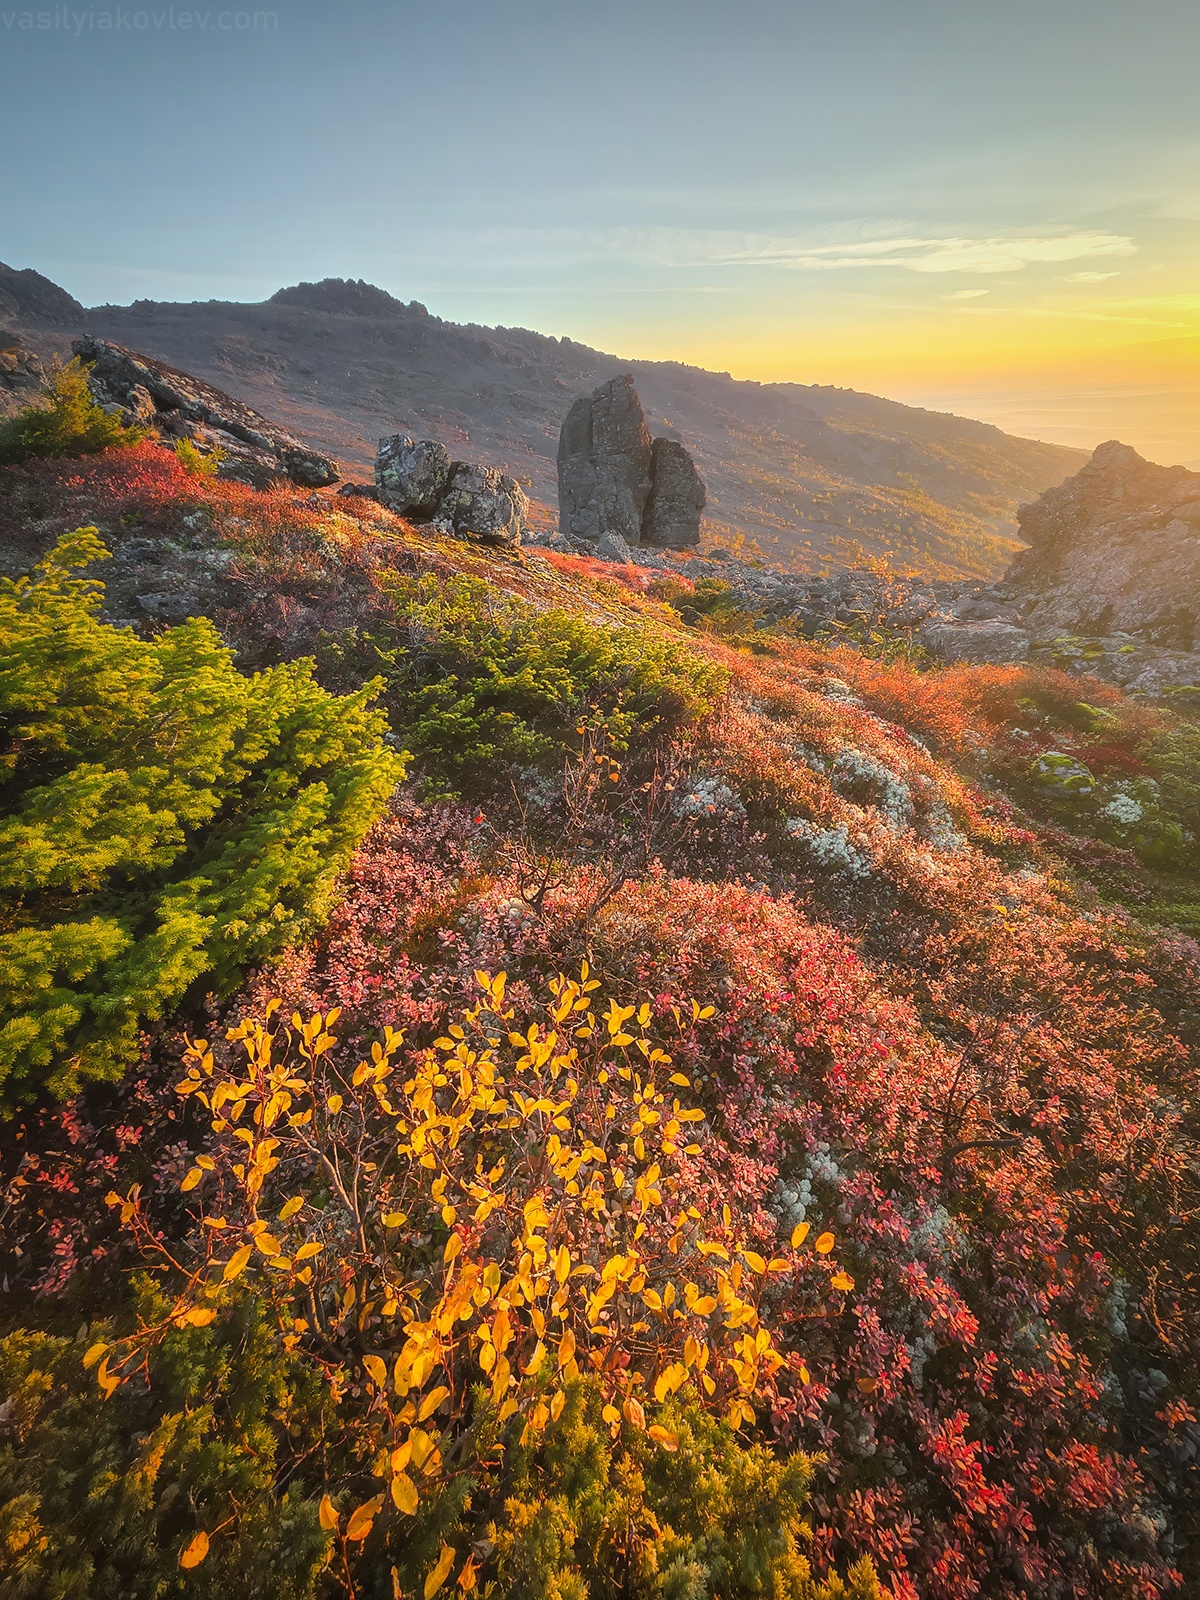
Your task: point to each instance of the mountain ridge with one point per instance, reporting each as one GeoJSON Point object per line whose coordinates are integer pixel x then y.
{"type": "Point", "coordinates": [812, 474]}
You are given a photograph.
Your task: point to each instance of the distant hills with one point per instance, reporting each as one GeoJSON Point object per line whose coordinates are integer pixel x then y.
{"type": "Point", "coordinates": [813, 475]}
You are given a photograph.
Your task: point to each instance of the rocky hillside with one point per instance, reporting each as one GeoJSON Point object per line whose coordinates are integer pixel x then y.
{"type": "Point", "coordinates": [809, 473]}
{"type": "Point", "coordinates": [731, 1117]}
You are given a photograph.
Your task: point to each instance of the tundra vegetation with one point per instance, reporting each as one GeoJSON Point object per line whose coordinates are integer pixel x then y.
{"type": "Point", "coordinates": [525, 1083]}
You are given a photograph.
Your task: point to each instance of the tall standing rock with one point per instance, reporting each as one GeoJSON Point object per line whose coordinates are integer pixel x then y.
{"type": "Point", "coordinates": [604, 464]}
{"type": "Point", "coordinates": [671, 519]}
{"type": "Point", "coordinates": [617, 484]}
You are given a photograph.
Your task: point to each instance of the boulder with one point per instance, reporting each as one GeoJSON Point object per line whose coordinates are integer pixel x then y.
{"type": "Point", "coordinates": [482, 503]}
{"type": "Point", "coordinates": [412, 475]}
{"type": "Point", "coordinates": [604, 464]}
{"type": "Point", "coordinates": [611, 547]}
{"type": "Point", "coordinates": [975, 642]}
{"type": "Point", "coordinates": [671, 519]}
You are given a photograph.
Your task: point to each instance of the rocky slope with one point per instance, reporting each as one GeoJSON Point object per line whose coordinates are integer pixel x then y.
{"type": "Point", "coordinates": [810, 473]}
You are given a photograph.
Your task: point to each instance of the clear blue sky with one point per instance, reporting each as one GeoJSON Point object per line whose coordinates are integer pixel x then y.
{"type": "Point", "coordinates": [991, 201]}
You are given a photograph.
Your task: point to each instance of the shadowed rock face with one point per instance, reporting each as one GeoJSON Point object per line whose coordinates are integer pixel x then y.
{"type": "Point", "coordinates": [30, 298]}
{"type": "Point", "coordinates": [604, 464]}
{"type": "Point", "coordinates": [1116, 548]}
{"type": "Point", "coordinates": [609, 474]}
{"type": "Point", "coordinates": [671, 519]}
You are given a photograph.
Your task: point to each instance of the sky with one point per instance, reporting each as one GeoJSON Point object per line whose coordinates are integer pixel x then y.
{"type": "Point", "coordinates": [986, 206]}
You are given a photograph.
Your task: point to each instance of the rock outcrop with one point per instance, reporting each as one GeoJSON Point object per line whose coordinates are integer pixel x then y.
{"type": "Point", "coordinates": [604, 465]}
{"type": "Point", "coordinates": [21, 378]}
{"type": "Point", "coordinates": [671, 519]}
{"type": "Point", "coordinates": [1114, 549]}
{"type": "Point", "coordinates": [615, 481]}
{"type": "Point", "coordinates": [148, 391]}
{"type": "Point", "coordinates": [417, 479]}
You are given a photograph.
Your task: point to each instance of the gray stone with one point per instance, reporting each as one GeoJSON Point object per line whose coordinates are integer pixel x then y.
{"type": "Point", "coordinates": [994, 642]}
{"type": "Point", "coordinates": [611, 547]}
{"type": "Point", "coordinates": [412, 475]}
{"type": "Point", "coordinates": [671, 519]}
{"type": "Point", "coordinates": [604, 464]}
{"type": "Point", "coordinates": [483, 503]}
{"type": "Point", "coordinates": [166, 607]}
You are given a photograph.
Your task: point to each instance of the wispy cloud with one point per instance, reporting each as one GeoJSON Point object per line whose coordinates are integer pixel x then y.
{"type": "Point", "coordinates": [966, 294]}
{"type": "Point", "coordinates": [1088, 277]}
{"type": "Point", "coordinates": [954, 254]}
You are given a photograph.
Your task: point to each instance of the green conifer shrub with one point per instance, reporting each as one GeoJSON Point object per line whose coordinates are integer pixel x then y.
{"type": "Point", "coordinates": [103, 1499]}
{"type": "Point", "coordinates": [99, 1499]}
{"type": "Point", "coordinates": [478, 677]}
{"type": "Point", "coordinates": [166, 819]}
{"type": "Point", "coordinates": [66, 422]}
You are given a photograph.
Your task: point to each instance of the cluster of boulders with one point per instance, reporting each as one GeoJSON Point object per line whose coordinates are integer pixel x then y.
{"type": "Point", "coordinates": [617, 487]}
{"type": "Point", "coordinates": [148, 392]}
{"type": "Point", "coordinates": [417, 479]}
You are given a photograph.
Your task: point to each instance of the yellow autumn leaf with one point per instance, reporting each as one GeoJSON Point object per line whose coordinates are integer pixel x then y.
{"type": "Point", "coordinates": [404, 1494]}
{"type": "Point", "coordinates": [191, 1179]}
{"type": "Point", "coordinates": [454, 1246]}
{"type": "Point", "coordinates": [362, 1519]}
{"type": "Point", "coordinates": [799, 1234]}
{"type": "Point", "coordinates": [94, 1354]}
{"type": "Point", "coordinates": [754, 1261]}
{"type": "Point", "coordinates": [312, 1248]}
{"type": "Point", "coordinates": [199, 1317]}
{"type": "Point", "coordinates": [194, 1551]}
{"type": "Point", "coordinates": [825, 1244]}
{"type": "Point", "coordinates": [441, 1572]}
{"type": "Point", "coordinates": [842, 1280]}
{"type": "Point", "coordinates": [237, 1263]}
{"type": "Point", "coordinates": [377, 1369]}
{"type": "Point", "coordinates": [291, 1208]}
{"type": "Point", "coordinates": [334, 1104]}
{"type": "Point", "coordinates": [328, 1516]}
{"type": "Point", "coordinates": [468, 1577]}
{"type": "Point", "coordinates": [663, 1436]}
{"type": "Point", "coordinates": [431, 1402]}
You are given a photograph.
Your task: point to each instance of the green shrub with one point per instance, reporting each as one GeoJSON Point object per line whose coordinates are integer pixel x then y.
{"type": "Point", "coordinates": [166, 819]}
{"type": "Point", "coordinates": [67, 422]}
{"type": "Point", "coordinates": [716, 1517]}
{"type": "Point", "coordinates": [476, 677]}
{"type": "Point", "coordinates": [1174, 758]}
{"type": "Point", "coordinates": [99, 1498]}
{"type": "Point", "coordinates": [194, 463]}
